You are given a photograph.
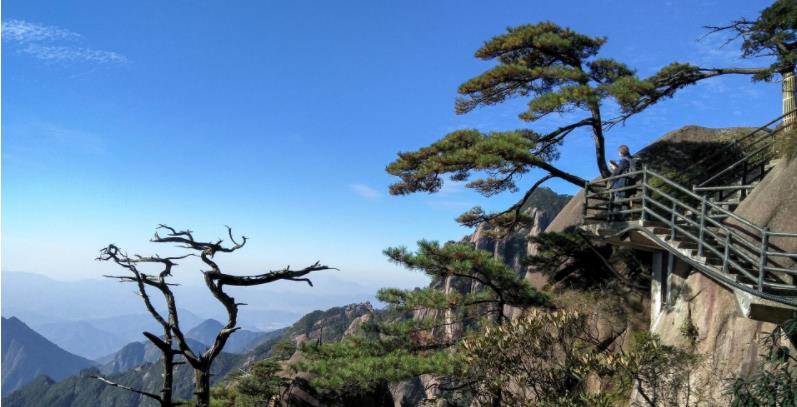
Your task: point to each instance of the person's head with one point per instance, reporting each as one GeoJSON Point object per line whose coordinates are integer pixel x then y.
{"type": "Point", "coordinates": [623, 150]}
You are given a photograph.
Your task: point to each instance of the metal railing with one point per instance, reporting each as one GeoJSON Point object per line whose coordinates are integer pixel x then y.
{"type": "Point", "coordinates": [736, 166]}
{"type": "Point", "coordinates": [730, 247]}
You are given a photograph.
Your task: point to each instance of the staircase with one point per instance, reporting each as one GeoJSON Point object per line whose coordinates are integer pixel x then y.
{"type": "Point", "coordinates": [698, 225]}
{"type": "Point", "coordinates": [737, 168]}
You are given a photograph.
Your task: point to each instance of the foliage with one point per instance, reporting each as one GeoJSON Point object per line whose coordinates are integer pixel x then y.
{"type": "Point", "coordinates": [358, 364]}
{"type": "Point", "coordinates": [563, 255]}
{"type": "Point", "coordinates": [257, 385]}
{"type": "Point", "coordinates": [462, 260]}
{"type": "Point", "coordinates": [775, 382]}
{"type": "Point", "coordinates": [659, 373]}
{"type": "Point", "coordinates": [543, 358]}
{"type": "Point", "coordinates": [547, 358]}
{"type": "Point", "coordinates": [773, 33]}
{"type": "Point", "coordinates": [559, 70]}
{"type": "Point", "coordinates": [415, 335]}
{"type": "Point", "coordinates": [571, 260]}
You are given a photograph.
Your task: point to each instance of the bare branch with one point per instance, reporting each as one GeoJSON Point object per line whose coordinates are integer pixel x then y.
{"type": "Point", "coordinates": [284, 274]}
{"type": "Point", "coordinates": [128, 388]}
{"type": "Point", "coordinates": [186, 239]}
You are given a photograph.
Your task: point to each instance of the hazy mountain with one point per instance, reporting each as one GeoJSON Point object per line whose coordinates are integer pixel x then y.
{"type": "Point", "coordinates": [81, 338]}
{"type": "Point", "coordinates": [130, 326]}
{"type": "Point", "coordinates": [137, 353]}
{"type": "Point", "coordinates": [95, 338]}
{"type": "Point", "coordinates": [81, 390]}
{"type": "Point", "coordinates": [239, 342]}
{"type": "Point", "coordinates": [26, 355]}
{"type": "Point", "coordinates": [130, 356]}
{"type": "Point", "coordinates": [38, 299]}
{"type": "Point", "coordinates": [107, 304]}
{"type": "Point", "coordinates": [206, 331]}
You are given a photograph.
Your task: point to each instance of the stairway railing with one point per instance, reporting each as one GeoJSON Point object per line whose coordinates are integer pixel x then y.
{"type": "Point", "coordinates": [734, 246]}
{"type": "Point", "coordinates": [719, 159]}
{"type": "Point", "coordinates": [738, 165]}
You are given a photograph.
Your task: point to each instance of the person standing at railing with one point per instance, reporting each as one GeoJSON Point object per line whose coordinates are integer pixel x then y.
{"type": "Point", "coordinates": [618, 168]}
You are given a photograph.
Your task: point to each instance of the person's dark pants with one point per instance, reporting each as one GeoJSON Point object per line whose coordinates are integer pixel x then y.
{"type": "Point", "coordinates": [616, 206]}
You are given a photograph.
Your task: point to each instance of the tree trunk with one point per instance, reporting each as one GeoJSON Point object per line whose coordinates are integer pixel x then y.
{"type": "Point", "coordinates": [166, 390]}
{"type": "Point", "coordinates": [449, 329]}
{"type": "Point", "coordinates": [202, 388]}
{"type": "Point", "coordinates": [788, 87]}
{"type": "Point", "coordinates": [600, 143]}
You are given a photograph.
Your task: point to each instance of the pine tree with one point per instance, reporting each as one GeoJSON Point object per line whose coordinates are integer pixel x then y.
{"type": "Point", "coordinates": [560, 71]}
{"type": "Point", "coordinates": [419, 327]}
{"type": "Point", "coordinates": [773, 34]}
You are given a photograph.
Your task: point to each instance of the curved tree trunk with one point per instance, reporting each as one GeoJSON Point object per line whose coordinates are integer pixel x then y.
{"type": "Point", "coordinates": [600, 143]}
{"type": "Point", "coordinates": [788, 89]}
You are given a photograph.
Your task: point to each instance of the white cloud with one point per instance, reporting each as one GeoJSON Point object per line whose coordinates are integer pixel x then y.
{"type": "Point", "coordinates": [715, 51]}
{"type": "Point", "coordinates": [23, 31]}
{"type": "Point", "coordinates": [45, 43]}
{"type": "Point", "coordinates": [58, 53]}
{"type": "Point", "coordinates": [365, 191]}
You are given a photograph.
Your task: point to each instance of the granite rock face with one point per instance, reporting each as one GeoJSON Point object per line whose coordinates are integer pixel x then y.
{"type": "Point", "coordinates": [727, 339]}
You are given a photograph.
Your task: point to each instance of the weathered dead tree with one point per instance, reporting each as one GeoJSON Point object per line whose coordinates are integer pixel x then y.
{"type": "Point", "coordinates": [215, 280]}
{"type": "Point", "coordinates": [142, 280]}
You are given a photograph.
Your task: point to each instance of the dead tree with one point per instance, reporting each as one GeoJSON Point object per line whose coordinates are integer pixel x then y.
{"type": "Point", "coordinates": [142, 280]}
{"type": "Point", "coordinates": [215, 280]}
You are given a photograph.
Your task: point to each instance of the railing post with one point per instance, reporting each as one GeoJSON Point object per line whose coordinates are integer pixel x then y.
{"type": "Point", "coordinates": [672, 223]}
{"type": "Point", "coordinates": [727, 255]}
{"type": "Point", "coordinates": [702, 225]}
{"type": "Point", "coordinates": [610, 204]}
{"type": "Point", "coordinates": [763, 263]}
{"type": "Point", "coordinates": [586, 198]}
{"type": "Point", "coordinates": [644, 216]}
{"type": "Point", "coordinates": [744, 174]}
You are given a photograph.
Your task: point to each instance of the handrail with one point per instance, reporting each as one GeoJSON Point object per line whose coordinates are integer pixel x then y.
{"type": "Point", "coordinates": [736, 165]}
{"type": "Point", "coordinates": [723, 151]}
{"type": "Point", "coordinates": [688, 215]}
{"type": "Point", "coordinates": [728, 169]}
{"type": "Point", "coordinates": [709, 203]}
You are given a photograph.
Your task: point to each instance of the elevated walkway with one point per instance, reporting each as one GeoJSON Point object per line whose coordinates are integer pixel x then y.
{"type": "Point", "coordinates": [659, 214]}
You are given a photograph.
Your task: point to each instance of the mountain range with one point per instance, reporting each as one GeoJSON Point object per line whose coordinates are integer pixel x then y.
{"type": "Point", "coordinates": [26, 355]}
{"type": "Point", "coordinates": [82, 390]}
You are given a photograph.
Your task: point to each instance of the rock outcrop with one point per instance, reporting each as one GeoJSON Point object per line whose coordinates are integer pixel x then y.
{"type": "Point", "coordinates": [724, 336]}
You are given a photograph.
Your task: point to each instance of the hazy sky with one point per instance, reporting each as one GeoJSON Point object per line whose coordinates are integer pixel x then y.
{"type": "Point", "coordinates": [278, 119]}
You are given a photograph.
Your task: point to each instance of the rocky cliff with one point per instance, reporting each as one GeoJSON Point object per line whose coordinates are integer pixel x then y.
{"type": "Point", "coordinates": [702, 314]}
{"type": "Point", "coordinates": [724, 336]}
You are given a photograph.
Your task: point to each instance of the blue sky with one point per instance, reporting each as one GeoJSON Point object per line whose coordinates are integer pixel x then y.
{"type": "Point", "coordinates": [278, 118]}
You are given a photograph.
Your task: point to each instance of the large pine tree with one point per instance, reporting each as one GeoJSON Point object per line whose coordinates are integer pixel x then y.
{"type": "Point", "coordinates": [559, 70]}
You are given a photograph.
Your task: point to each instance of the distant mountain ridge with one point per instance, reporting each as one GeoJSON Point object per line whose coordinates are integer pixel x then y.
{"type": "Point", "coordinates": [135, 354]}
{"type": "Point", "coordinates": [26, 354]}
{"type": "Point", "coordinates": [39, 299]}
{"type": "Point", "coordinates": [82, 390]}
{"type": "Point", "coordinates": [81, 338]}
{"type": "Point", "coordinates": [239, 342]}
